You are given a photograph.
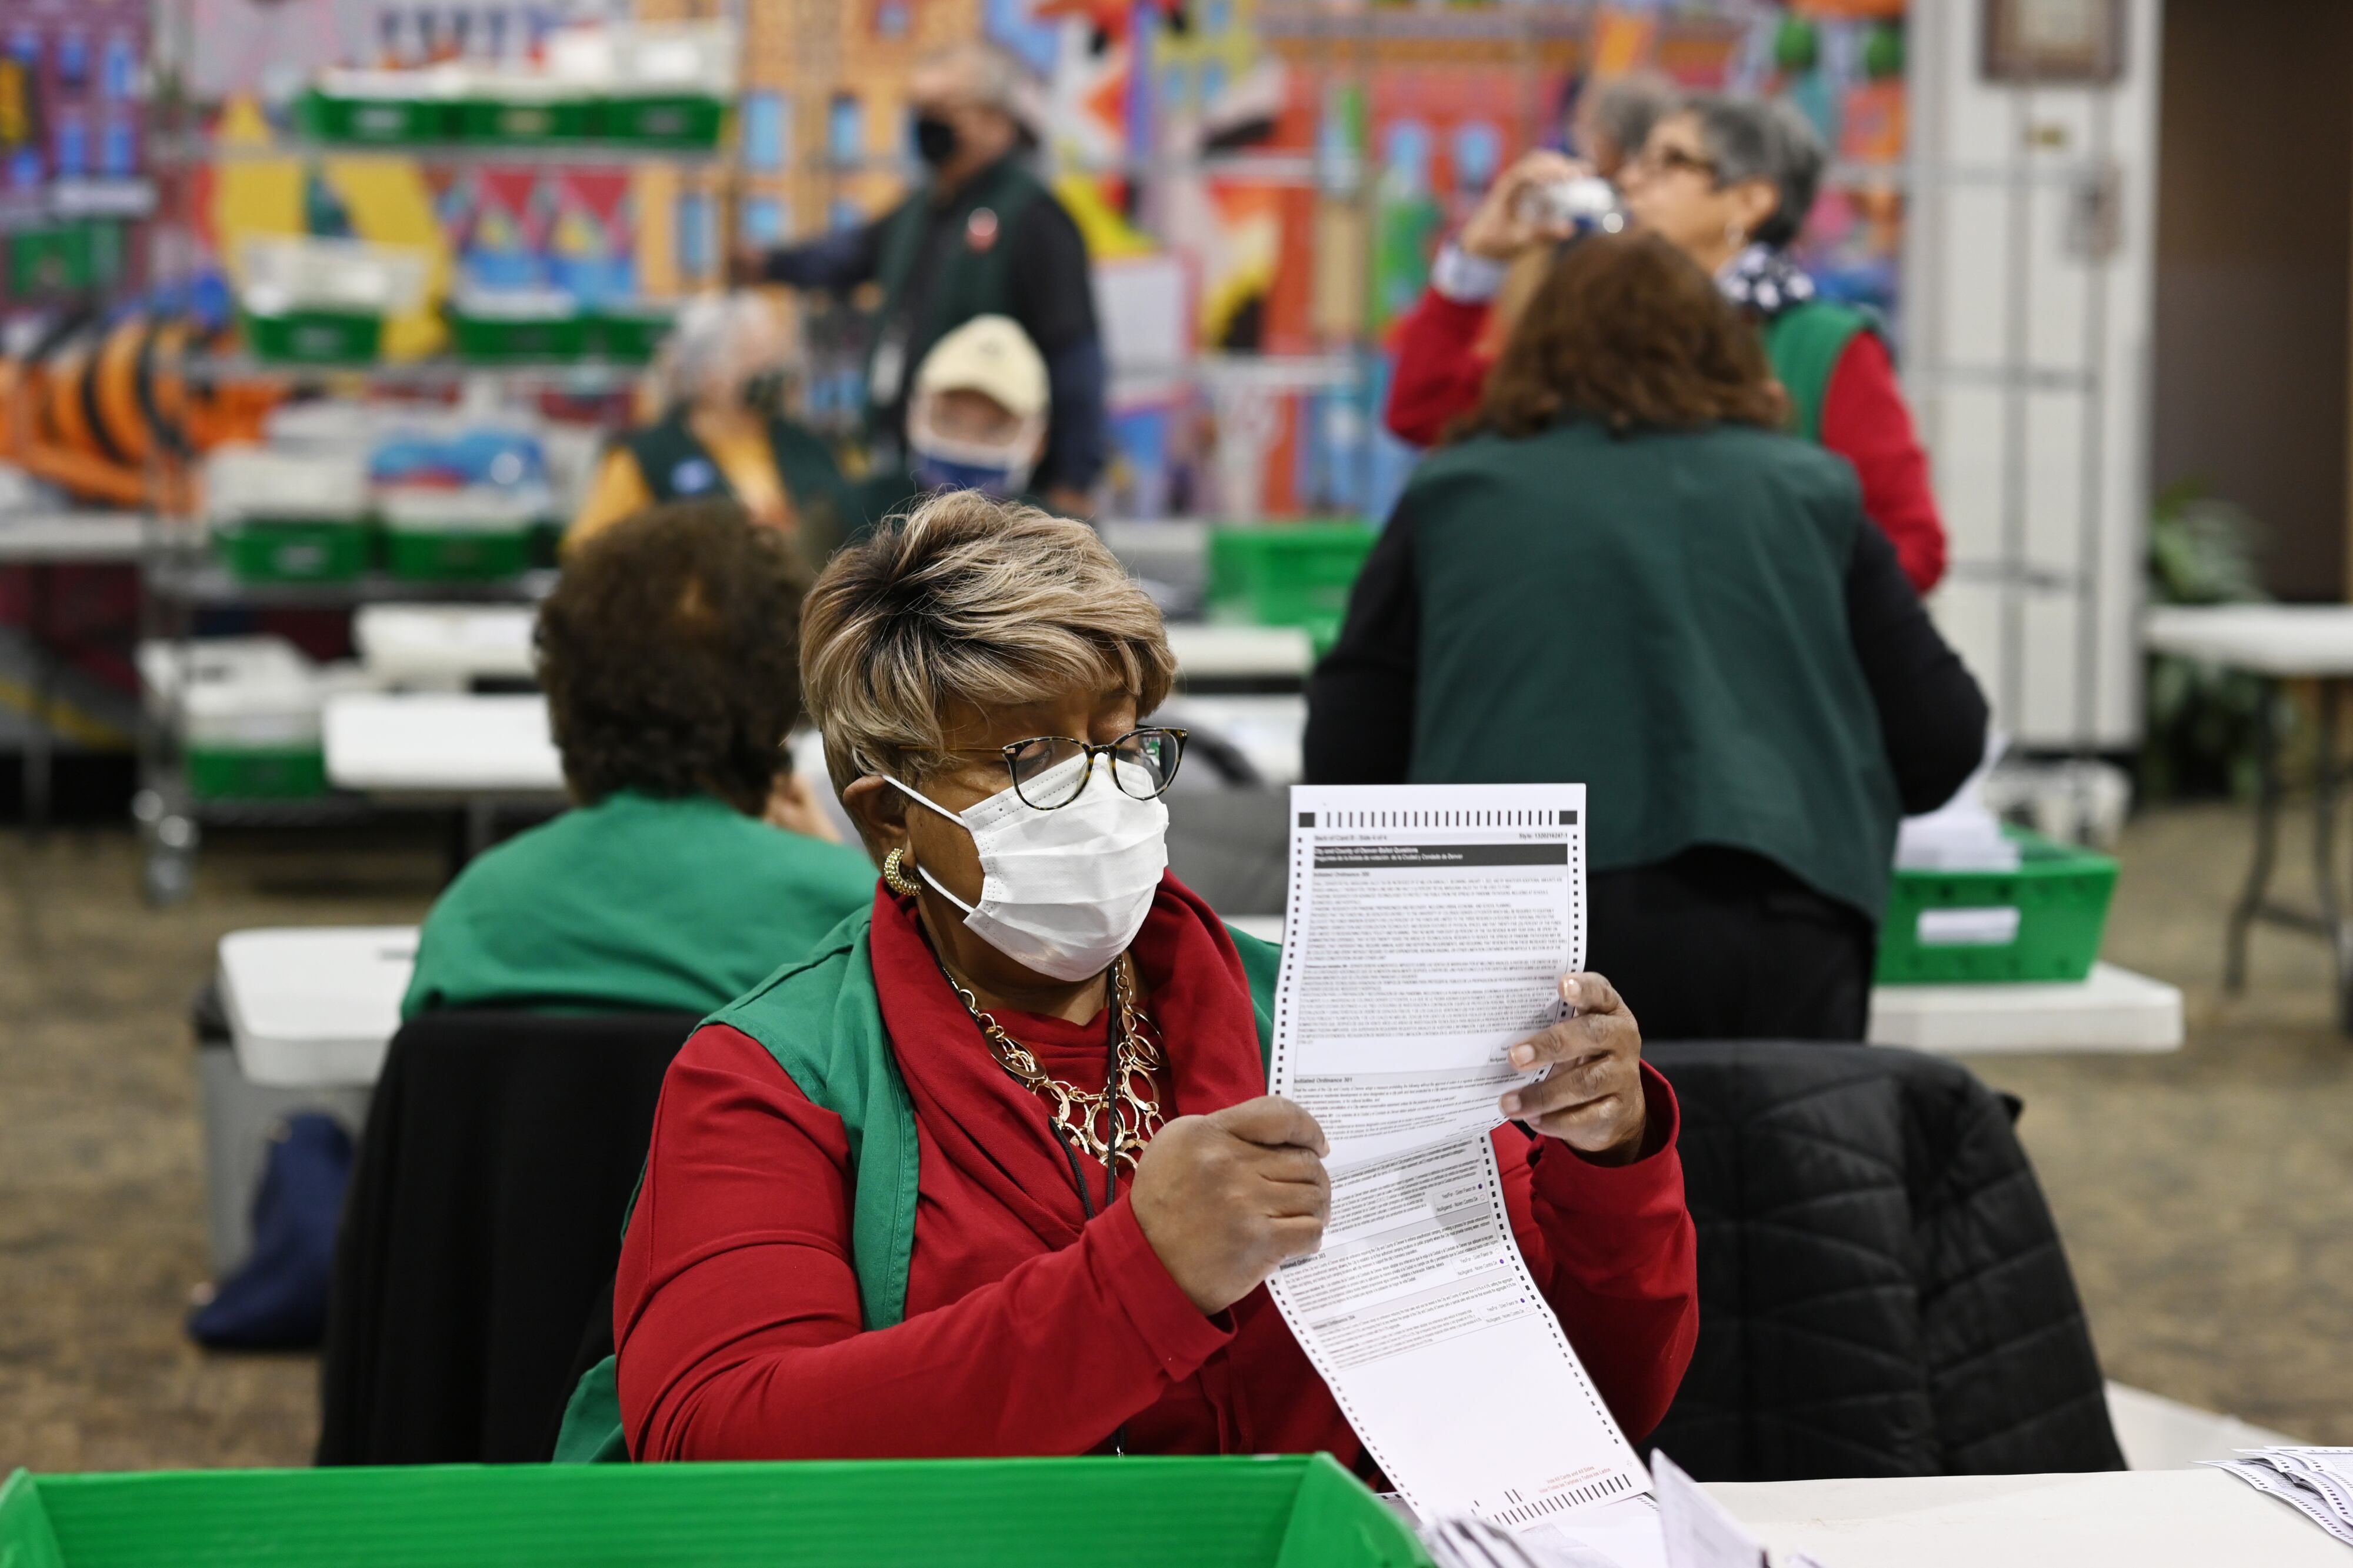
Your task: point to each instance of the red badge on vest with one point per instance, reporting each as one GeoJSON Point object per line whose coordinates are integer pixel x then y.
{"type": "Point", "coordinates": [980, 229]}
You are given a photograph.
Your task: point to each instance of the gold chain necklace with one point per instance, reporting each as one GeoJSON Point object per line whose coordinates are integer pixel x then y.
{"type": "Point", "coordinates": [1090, 1116]}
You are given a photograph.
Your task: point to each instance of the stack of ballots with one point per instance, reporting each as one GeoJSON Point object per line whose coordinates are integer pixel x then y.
{"type": "Point", "coordinates": [2317, 1481]}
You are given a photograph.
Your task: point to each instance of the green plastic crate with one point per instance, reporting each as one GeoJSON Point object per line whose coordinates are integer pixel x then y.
{"type": "Point", "coordinates": [503, 340]}
{"type": "Point", "coordinates": [455, 555]}
{"type": "Point", "coordinates": [1287, 574]}
{"type": "Point", "coordinates": [64, 257]}
{"type": "Point", "coordinates": [2041, 922]}
{"type": "Point", "coordinates": [249, 772]}
{"type": "Point", "coordinates": [627, 334]}
{"type": "Point", "coordinates": [268, 550]}
{"type": "Point", "coordinates": [522, 121]}
{"type": "Point", "coordinates": [1294, 1511]}
{"type": "Point", "coordinates": [676, 119]}
{"type": "Point", "coordinates": [398, 122]}
{"type": "Point", "coordinates": [314, 337]}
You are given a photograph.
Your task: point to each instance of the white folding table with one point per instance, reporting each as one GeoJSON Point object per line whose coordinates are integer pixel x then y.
{"type": "Point", "coordinates": [2277, 643]}
{"type": "Point", "coordinates": [1238, 657]}
{"type": "Point", "coordinates": [2149, 1519]}
{"type": "Point", "coordinates": [41, 541]}
{"type": "Point", "coordinates": [441, 746]}
{"type": "Point", "coordinates": [426, 749]}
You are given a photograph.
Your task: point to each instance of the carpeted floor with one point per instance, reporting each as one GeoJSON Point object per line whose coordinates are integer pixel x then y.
{"type": "Point", "coordinates": [2206, 1197]}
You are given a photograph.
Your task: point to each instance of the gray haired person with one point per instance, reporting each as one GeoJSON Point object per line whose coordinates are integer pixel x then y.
{"type": "Point", "coordinates": [1729, 181]}
{"type": "Point", "coordinates": [1613, 118]}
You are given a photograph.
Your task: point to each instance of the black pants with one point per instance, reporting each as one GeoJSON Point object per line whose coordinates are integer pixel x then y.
{"type": "Point", "coordinates": [1719, 944]}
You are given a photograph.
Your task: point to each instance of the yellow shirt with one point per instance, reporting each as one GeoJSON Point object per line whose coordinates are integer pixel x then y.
{"type": "Point", "coordinates": [743, 456]}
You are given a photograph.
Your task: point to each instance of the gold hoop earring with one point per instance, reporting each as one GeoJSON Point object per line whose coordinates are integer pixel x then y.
{"type": "Point", "coordinates": [895, 877]}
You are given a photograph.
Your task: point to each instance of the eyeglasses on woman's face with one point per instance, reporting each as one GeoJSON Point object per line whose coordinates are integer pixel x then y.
{"type": "Point", "coordinates": [1660, 158]}
{"type": "Point", "coordinates": [1051, 771]}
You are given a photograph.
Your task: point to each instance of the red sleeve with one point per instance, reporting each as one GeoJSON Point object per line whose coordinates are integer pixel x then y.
{"type": "Point", "coordinates": [1618, 1261]}
{"type": "Point", "coordinates": [1440, 372]}
{"type": "Point", "coordinates": [1864, 420]}
{"type": "Point", "coordinates": [737, 1311]}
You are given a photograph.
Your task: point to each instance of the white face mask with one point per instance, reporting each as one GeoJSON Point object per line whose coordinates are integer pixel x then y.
{"type": "Point", "coordinates": [1063, 891]}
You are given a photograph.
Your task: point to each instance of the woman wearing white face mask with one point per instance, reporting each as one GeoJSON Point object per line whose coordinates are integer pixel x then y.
{"type": "Point", "coordinates": [994, 1171]}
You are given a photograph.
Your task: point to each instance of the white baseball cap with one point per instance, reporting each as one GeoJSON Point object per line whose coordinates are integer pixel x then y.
{"type": "Point", "coordinates": [988, 354]}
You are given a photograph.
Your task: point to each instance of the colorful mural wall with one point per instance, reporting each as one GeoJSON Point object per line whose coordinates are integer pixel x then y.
{"type": "Point", "coordinates": [1269, 178]}
{"type": "Point", "coordinates": [1303, 161]}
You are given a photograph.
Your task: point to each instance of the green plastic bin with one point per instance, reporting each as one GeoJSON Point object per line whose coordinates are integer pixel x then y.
{"type": "Point", "coordinates": [661, 119]}
{"type": "Point", "coordinates": [270, 549]}
{"type": "Point", "coordinates": [2041, 922]}
{"type": "Point", "coordinates": [494, 339]}
{"type": "Point", "coordinates": [314, 336]}
{"type": "Point", "coordinates": [64, 257]}
{"type": "Point", "coordinates": [396, 122]}
{"type": "Point", "coordinates": [1287, 574]}
{"type": "Point", "coordinates": [249, 772]}
{"type": "Point", "coordinates": [522, 120]}
{"type": "Point", "coordinates": [627, 334]}
{"type": "Point", "coordinates": [1294, 1511]}
{"type": "Point", "coordinates": [455, 555]}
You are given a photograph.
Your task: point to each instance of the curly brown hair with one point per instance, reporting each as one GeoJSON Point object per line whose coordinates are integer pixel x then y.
{"type": "Point", "coordinates": [1629, 331]}
{"type": "Point", "coordinates": [669, 650]}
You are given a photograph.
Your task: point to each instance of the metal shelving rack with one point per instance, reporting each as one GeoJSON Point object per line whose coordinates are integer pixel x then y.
{"type": "Point", "coordinates": [180, 577]}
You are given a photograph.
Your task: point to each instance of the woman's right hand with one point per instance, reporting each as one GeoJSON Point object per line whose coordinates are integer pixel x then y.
{"type": "Point", "coordinates": [1500, 226]}
{"type": "Point", "coordinates": [1225, 1198]}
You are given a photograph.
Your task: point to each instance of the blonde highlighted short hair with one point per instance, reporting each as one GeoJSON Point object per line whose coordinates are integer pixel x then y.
{"type": "Point", "coordinates": [966, 600]}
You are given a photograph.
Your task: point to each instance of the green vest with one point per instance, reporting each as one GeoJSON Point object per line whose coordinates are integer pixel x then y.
{"type": "Point", "coordinates": [675, 465]}
{"type": "Point", "coordinates": [1661, 616]}
{"type": "Point", "coordinates": [1804, 343]}
{"type": "Point", "coordinates": [822, 1021]}
{"type": "Point", "coordinates": [970, 280]}
{"type": "Point", "coordinates": [635, 901]}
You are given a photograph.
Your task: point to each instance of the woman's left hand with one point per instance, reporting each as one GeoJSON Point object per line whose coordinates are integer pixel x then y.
{"type": "Point", "coordinates": [1592, 1099]}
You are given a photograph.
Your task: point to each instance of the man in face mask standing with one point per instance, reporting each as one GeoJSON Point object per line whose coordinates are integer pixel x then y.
{"type": "Point", "coordinates": [979, 236]}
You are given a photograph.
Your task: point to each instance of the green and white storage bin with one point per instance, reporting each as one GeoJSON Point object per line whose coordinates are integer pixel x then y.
{"type": "Point", "coordinates": [507, 325]}
{"type": "Point", "coordinates": [519, 109]}
{"type": "Point", "coordinates": [379, 108]}
{"type": "Point", "coordinates": [1287, 574]}
{"type": "Point", "coordinates": [679, 120]}
{"type": "Point", "coordinates": [628, 331]}
{"type": "Point", "coordinates": [309, 300]}
{"type": "Point", "coordinates": [287, 517]}
{"type": "Point", "coordinates": [1267, 1512]}
{"type": "Point", "coordinates": [460, 535]}
{"type": "Point", "coordinates": [656, 84]}
{"type": "Point", "coordinates": [247, 711]}
{"type": "Point", "coordinates": [2041, 920]}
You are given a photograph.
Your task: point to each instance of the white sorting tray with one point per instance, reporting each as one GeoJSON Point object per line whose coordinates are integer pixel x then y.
{"type": "Point", "coordinates": [314, 1005]}
{"type": "Point", "coordinates": [444, 647]}
{"type": "Point", "coordinates": [437, 744]}
{"type": "Point", "coordinates": [2113, 1010]}
{"type": "Point", "coordinates": [1232, 653]}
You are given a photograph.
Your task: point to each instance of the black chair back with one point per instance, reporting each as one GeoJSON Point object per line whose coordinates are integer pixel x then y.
{"type": "Point", "coordinates": [1882, 1289]}
{"type": "Point", "coordinates": [484, 1220]}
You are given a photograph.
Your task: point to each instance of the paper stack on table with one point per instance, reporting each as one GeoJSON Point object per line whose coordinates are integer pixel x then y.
{"type": "Point", "coordinates": [2317, 1482]}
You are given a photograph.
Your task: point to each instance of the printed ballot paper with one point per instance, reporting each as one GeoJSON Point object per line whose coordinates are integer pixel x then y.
{"type": "Point", "coordinates": [1427, 930]}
